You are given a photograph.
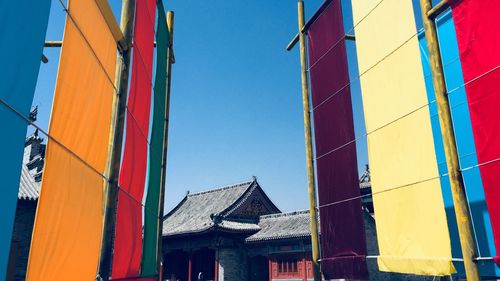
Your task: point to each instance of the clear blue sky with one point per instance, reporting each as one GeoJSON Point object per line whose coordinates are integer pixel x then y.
{"type": "Point", "coordinates": [236, 108]}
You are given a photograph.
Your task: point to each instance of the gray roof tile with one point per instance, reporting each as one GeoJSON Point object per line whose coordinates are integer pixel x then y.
{"type": "Point", "coordinates": [193, 214]}
{"type": "Point", "coordinates": [282, 226]}
{"type": "Point", "coordinates": [28, 188]}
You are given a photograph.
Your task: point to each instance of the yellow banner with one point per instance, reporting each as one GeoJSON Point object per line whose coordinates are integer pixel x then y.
{"type": "Point", "coordinates": [411, 224]}
{"type": "Point", "coordinates": [68, 224]}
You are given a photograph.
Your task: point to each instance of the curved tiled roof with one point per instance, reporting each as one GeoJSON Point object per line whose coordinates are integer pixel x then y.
{"type": "Point", "coordinates": [28, 188]}
{"type": "Point", "coordinates": [282, 226]}
{"type": "Point", "coordinates": [194, 213]}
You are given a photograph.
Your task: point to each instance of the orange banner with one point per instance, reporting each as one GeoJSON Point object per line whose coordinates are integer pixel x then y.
{"type": "Point", "coordinates": [68, 226]}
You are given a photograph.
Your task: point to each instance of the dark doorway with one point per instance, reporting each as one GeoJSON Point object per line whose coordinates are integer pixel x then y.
{"type": "Point", "coordinates": [203, 261]}
{"type": "Point", "coordinates": [258, 269]}
{"type": "Point", "coordinates": [176, 263]}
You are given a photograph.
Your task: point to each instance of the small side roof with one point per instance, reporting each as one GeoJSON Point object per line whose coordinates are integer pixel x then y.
{"type": "Point", "coordinates": [282, 226]}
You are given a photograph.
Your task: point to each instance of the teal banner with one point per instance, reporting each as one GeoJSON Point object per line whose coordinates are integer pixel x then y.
{"type": "Point", "coordinates": [23, 25]}
{"type": "Point", "coordinates": [152, 207]}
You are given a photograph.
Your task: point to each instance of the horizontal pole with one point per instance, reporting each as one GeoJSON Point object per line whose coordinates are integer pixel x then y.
{"type": "Point", "coordinates": [350, 37]}
{"type": "Point", "coordinates": [58, 44]}
{"type": "Point", "coordinates": [452, 259]}
{"type": "Point", "coordinates": [306, 26]}
{"type": "Point", "coordinates": [296, 39]}
{"type": "Point", "coordinates": [293, 42]}
{"type": "Point", "coordinates": [438, 9]}
{"type": "Point", "coordinates": [53, 44]}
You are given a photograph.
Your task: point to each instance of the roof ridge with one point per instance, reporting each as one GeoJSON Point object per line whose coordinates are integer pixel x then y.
{"type": "Point", "coordinates": [220, 188]}
{"type": "Point", "coordinates": [279, 215]}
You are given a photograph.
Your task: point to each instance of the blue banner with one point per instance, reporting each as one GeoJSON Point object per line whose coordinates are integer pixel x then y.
{"type": "Point", "coordinates": [22, 33]}
{"type": "Point", "coordinates": [465, 145]}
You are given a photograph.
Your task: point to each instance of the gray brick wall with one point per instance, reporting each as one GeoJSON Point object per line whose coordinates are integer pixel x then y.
{"type": "Point", "coordinates": [233, 265]}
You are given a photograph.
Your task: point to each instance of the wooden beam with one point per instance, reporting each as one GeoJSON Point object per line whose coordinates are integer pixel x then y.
{"type": "Point", "coordinates": [438, 9]}
{"type": "Point", "coordinates": [308, 24]}
{"type": "Point", "coordinates": [295, 40]}
{"type": "Point", "coordinates": [58, 44]}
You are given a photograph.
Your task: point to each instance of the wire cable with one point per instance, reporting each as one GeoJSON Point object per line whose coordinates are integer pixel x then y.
{"type": "Point", "coordinates": [342, 39]}
{"type": "Point", "coordinates": [65, 148]}
{"type": "Point", "coordinates": [339, 91]}
{"type": "Point", "coordinates": [101, 65]}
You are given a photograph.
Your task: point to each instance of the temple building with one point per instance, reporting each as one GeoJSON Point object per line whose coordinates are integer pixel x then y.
{"type": "Point", "coordinates": [235, 233]}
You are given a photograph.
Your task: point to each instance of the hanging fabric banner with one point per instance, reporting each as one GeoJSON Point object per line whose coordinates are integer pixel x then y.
{"type": "Point", "coordinates": [476, 23]}
{"type": "Point", "coordinates": [152, 222]}
{"type": "Point", "coordinates": [68, 225]}
{"type": "Point", "coordinates": [465, 145]}
{"type": "Point", "coordinates": [343, 244]}
{"type": "Point", "coordinates": [412, 231]}
{"type": "Point", "coordinates": [128, 236]}
{"type": "Point", "coordinates": [21, 43]}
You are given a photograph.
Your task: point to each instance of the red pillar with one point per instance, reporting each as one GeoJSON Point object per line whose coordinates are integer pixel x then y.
{"type": "Point", "coordinates": [270, 269]}
{"type": "Point", "coordinates": [304, 266]}
{"type": "Point", "coordinates": [190, 266]}
{"type": "Point", "coordinates": [216, 278]}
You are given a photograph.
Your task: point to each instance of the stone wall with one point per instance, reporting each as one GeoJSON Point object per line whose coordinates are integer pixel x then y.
{"type": "Point", "coordinates": [233, 264]}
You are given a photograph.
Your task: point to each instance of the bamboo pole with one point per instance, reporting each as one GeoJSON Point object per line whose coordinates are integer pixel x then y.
{"type": "Point", "coordinates": [120, 103]}
{"type": "Point", "coordinates": [170, 24]}
{"type": "Point", "coordinates": [455, 176]}
{"type": "Point", "coordinates": [309, 152]}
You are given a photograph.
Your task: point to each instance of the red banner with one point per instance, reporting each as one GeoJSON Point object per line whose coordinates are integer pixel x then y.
{"type": "Point", "coordinates": [128, 237]}
{"type": "Point", "coordinates": [343, 245]}
{"type": "Point", "coordinates": [476, 24]}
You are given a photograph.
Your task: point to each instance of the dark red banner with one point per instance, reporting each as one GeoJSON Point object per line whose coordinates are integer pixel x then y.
{"type": "Point", "coordinates": [343, 244]}
{"type": "Point", "coordinates": [128, 237]}
{"type": "Point", "coordinates": [476, 24]}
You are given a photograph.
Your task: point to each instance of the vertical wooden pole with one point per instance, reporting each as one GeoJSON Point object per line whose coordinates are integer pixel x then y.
{"type": "Point", "coordinates": [111, 198]}
{"type": "Point", "coordinates": [170, 57]}
{"type": "Point", "coordinates": [455, 176]}
{"type": "Point", "coordinates": [309, 152]}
